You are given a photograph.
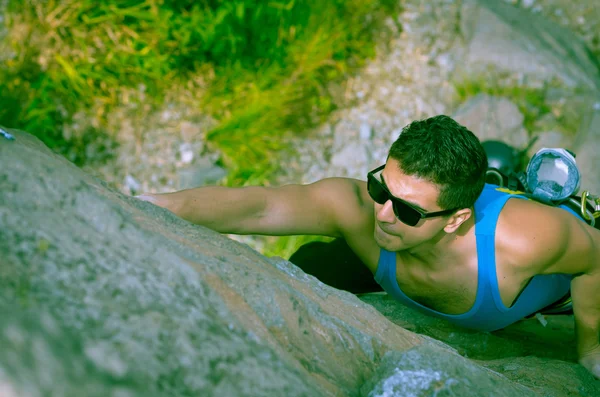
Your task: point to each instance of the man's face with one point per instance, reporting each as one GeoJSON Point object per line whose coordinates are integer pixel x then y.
{"type": "Point", "coordinates": [390, 233]}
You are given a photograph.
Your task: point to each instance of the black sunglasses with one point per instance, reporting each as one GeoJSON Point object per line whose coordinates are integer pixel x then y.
{"type": "Point", "coordinates": [405, 212]}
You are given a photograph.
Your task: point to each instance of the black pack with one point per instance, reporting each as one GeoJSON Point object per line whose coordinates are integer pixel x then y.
{"type": "Point", "coordinates": [551, 177]}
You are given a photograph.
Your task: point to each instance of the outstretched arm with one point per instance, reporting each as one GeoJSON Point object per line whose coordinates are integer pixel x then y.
{"type": "Point", "coordinates": [328, 207]}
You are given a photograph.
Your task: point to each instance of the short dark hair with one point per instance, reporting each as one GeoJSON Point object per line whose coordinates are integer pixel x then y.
{"type": "Point", "coordinates": [446, 153]}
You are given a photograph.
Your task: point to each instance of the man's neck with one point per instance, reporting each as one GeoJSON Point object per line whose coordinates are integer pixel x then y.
{"type": "Point", "coordinates": [444, 247]}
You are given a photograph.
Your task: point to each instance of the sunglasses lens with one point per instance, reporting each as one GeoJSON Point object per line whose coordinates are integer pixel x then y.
{"type": "Point", "coordinates": [376, 191]}
{"type": "Point", "coordinates": [403, 212]}
{"type": "Point", "coordinates": [406, 214]}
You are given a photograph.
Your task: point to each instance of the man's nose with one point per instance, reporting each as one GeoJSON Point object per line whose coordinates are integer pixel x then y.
{"type": "Point", "coordinates": [386, 213]}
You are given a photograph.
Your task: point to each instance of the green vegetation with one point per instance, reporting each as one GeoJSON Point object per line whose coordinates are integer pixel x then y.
{"type": "Point", "coordinates": [285, 246]}
{"type": "Point", "coordinates": [260, 68]}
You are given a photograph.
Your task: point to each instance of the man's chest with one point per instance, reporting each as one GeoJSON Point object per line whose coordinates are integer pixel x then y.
{"type": "Point", "coordinates": [446, 291]}
{"type": "Point", "coordinates": [451, 287]}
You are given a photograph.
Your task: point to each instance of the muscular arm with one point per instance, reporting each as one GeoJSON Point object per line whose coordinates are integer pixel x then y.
{"type": "Point", "coordinates": [586, 307]}
{"type": "Point", "coordinates": [581, 257]}
{"type": "Point", "coordinates": [335, 207]}
{"type": "Point", "coordinates": [330, 207]}
{"type": "Point", "coordinates": [557, 242]}
{"type": "Point", "coordinates": [578, 253]}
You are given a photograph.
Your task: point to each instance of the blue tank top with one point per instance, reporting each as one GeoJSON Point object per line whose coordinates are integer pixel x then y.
{"type": "Point", "coordinates": [488, 313]}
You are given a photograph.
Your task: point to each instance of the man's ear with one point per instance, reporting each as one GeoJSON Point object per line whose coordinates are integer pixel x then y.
{"type": "Point", "coordinates": [457, 219]}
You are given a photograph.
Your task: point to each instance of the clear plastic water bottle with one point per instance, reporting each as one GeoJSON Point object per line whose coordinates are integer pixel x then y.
{"type": "Point", "coordinates": [552, 175]}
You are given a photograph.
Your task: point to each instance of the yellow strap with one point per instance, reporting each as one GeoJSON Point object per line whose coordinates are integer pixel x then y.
{"type": "Point", "coordinates": [506, 190]}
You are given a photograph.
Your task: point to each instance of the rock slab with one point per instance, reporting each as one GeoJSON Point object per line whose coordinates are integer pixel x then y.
{"type": "Point", "coordinates": [103, 294]}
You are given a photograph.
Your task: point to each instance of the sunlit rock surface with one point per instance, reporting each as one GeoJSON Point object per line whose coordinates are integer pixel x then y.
{"type": "Point", "coordinates": [422, 369]}
{"type": "Point", "coordinates": [501, 41]}
{"type": "Point", "coordinates": [156, 301]}
{"type": "Point", "coordinates": [493, 118]}
{"type": "Point", "coordinates": [39, 358]}
{"type": "Point", "coordinates": [538, 353]}
{"type": "Point", "coordinates": [505, 37]}
{"type": "Point", "coordinates": [102, 294]}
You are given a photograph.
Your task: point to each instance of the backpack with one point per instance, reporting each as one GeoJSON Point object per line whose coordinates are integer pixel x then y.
{"type": "Point", "coordinates": [551, 177]}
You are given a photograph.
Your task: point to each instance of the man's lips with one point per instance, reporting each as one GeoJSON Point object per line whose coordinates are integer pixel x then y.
{"type": "Point", "coordinates": [382, 229]}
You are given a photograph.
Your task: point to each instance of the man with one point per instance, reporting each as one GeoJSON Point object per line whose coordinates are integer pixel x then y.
{"type": "Point", "coordinates": [435, 236]}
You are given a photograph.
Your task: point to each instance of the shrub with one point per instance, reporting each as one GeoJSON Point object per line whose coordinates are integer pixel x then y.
{"type": "Point", "coordinates": [265, 65]}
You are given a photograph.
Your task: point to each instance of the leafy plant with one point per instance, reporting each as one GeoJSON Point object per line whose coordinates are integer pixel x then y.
{"type": "Point", "coordinates": [264, 66]}
{"type": "Point", "coordinates": [260, 69]}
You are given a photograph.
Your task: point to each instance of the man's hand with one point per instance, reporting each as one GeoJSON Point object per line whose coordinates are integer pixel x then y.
{"type": "Point", "coordinates": [591, 361]}
{"type": "Point", "coordinates": [160, 200]}
{"type": "Point", "coordinates": [147, 197]}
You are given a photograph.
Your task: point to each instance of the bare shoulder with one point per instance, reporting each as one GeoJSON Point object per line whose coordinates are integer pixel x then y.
{"type": "Point", "coordinates": [350, 202]}
{"type": "Point", "coordinates": [542, 239]}
{"type": "Point", "coordinates": [334, 206]}
{"type": "Point", "coordinates": [352, 210]}
{"type": "Point", "coordinates": [346, 195]}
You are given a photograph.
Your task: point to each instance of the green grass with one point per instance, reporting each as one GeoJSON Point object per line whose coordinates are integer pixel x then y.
{"type": "Point", "coordinates": [285, 246]}
{"type": "Point", "coordinates": [263, 66]}
{"type": "Point", "coordinates": [260, 69]}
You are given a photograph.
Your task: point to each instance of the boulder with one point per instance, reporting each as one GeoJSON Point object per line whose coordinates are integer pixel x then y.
{"type": "Point", "coordinates": [538, 353]}
{"type": "Point", "coordinates": [41, 358]}
{"type": "Point", "coordinates": [587, 147]}
{"type": "Point", "coordinates": [422, 372]}
{"type": "Point", "coordinates": [103, 294]}
{"type": "Point", "coordinates": [504, 45]}
{"type": "Point", "coordinates": [178, 308]}
{"type": "Point", "coordinates": [502, 36]}
{"type": "Point", "coordinates": [493, 118]}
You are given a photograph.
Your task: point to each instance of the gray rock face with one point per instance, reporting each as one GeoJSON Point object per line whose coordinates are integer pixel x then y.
{"type": "Point", "coordinates": [73, 248]}
{"type": "Point", "coordinates": [508, 38]}
{"type": "Point", "coordinates": [41, 359]}
{"type": "Point", "coordinates": [582, 17]}
{"type": "Point", "coordinates": [154, 300]}
{"type": "Point", "coordinates": [422, 372]}
{"type": "Point", "coordinates": [494, 119]}
{"type": "Point", "coordinates": [499, 39]}
{"type": "Point", "coordinates": [103, 294]}
{"type": "Point", "coordinates": [538, 353]}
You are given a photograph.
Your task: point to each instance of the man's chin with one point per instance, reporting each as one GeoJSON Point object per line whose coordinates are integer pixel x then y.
{"type": "Point", "coordinates": [396, 247]}
{"type": "Point", "coordinates": [388, 242]}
